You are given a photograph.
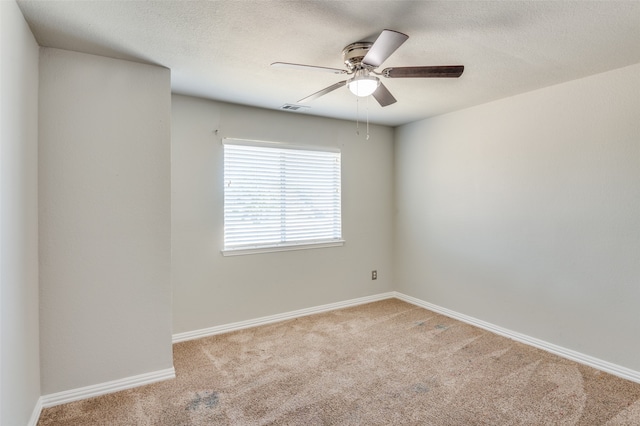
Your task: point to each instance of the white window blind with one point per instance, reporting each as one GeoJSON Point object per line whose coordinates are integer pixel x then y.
{"type": "Point", "coordinates": [280, 197]}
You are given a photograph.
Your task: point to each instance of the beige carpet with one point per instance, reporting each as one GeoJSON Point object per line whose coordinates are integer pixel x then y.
{"type": "Point", "coordinates": [385, 363]}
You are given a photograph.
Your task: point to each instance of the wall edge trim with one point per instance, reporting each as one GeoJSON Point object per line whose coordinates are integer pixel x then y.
{"type": "Point", "coordinates": [35, 414]}
{"type": "Point", "coordinates": [226, 328]}
{"type": "Point", "coordinates": [71, 395]}
{"type": "Point", "coordinates": [598, 364]}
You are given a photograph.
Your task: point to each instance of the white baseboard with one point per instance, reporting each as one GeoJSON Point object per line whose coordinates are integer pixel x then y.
{"type": "Point", "coordinates": [608, 367]}
{"type": "Point", "coordinates": [226, 328]}
{"type": "Point", "coordinates": [107, 387]}
{"type": "Point", "coordinates": [35, 415]}
{"type": "Point", "coordinates": [156, 376]}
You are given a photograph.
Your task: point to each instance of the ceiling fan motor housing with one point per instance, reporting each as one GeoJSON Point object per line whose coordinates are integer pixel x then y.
{"type": "Point", "coordinates": [354, 53]}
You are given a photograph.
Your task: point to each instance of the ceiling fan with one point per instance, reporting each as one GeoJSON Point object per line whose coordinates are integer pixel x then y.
{"type": "Point", "coordinates": [363, 57]}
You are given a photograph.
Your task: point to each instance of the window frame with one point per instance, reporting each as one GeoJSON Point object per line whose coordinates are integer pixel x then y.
{"type": "Point", "coordinates": [281, 246]}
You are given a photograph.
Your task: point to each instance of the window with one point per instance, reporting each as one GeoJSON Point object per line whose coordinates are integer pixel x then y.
{"type": "Point", "coordinates": [280, 197]}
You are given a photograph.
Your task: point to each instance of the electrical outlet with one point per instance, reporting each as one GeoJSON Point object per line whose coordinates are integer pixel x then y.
{"type": "Point", "coordinates": [374, 275]}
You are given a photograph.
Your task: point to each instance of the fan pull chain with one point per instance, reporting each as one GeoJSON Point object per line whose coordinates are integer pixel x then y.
{"type": "Point", "coordinates": [367, 108]}
{"type": "Point", "coordinates": [357, 116]}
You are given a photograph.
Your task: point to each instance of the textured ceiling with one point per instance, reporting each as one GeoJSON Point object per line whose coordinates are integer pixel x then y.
{"type": "Point", "coordinates": [222, 49]}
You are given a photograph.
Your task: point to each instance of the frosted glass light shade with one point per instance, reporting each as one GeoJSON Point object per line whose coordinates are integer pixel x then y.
{"type": "Point", "coordinates": [363, 85]}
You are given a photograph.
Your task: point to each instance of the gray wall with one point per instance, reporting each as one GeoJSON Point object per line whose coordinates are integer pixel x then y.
{"type": "Point", "coordinates": [104, 193]}
{"type": "Point", "coordinates": [19, 352]}
{"type": "Point", "coordinates": [525, 213]}
{"type": "Point", "coordinates": [209, 289]}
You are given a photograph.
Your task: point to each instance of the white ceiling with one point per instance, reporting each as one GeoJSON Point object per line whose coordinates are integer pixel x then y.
{"type": "Point", "coordinates": [222, 49]}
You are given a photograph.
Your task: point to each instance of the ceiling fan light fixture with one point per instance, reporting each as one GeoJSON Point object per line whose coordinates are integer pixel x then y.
{"type": "Point", "coordinates": [363, 84]}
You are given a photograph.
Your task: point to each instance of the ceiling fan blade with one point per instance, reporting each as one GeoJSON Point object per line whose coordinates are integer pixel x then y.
{"type": "Point", "coordinates": [384, 96]}
{"type": "Point", "coordinates": [308, 67]}
{"type": "Point", "coordinates": [386, 43]}
{"type": "Point", "coordinates": [323, 92]}
{"type": "Point", "coordinates": [445, 71]}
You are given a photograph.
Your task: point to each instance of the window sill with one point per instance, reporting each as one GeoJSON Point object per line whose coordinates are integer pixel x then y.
{"type": "Point", "coordinates": [288, 247]}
